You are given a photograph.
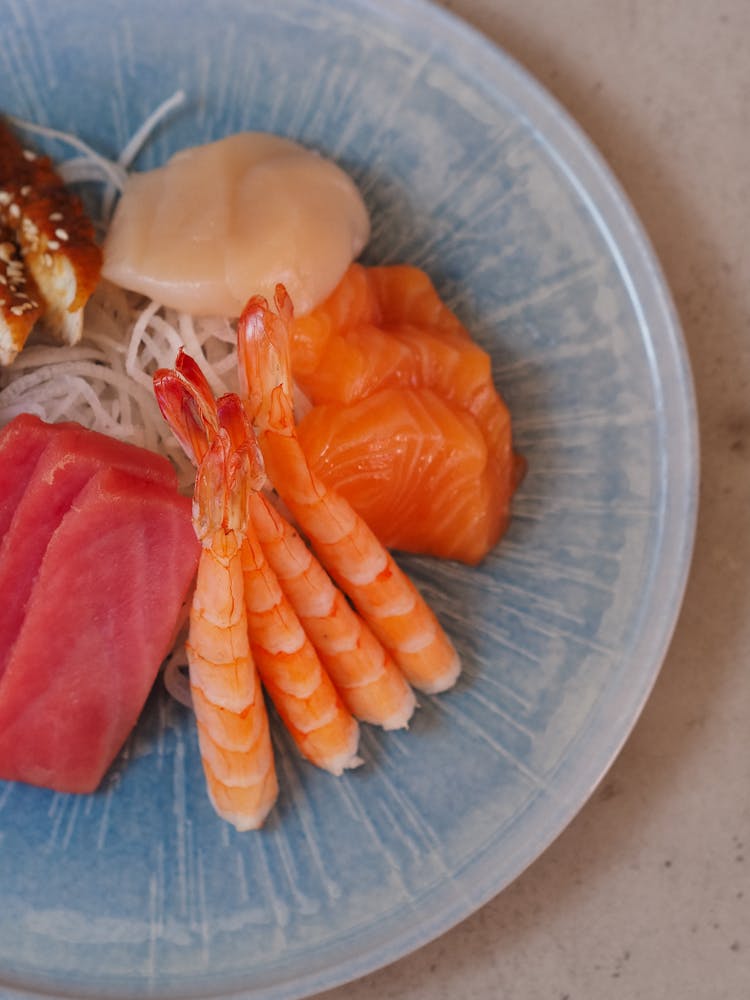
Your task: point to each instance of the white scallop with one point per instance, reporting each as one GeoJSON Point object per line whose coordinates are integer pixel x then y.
{"type": "Point", "coordinates": [227, 220]}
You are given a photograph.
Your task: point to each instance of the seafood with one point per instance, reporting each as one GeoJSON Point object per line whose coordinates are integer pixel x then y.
{"type": "Point", "coordinates": [233, 728]}
{"type": "Point", "coordinates": [406, 422]}
{"type": "Point", "coordinates": [70, 457]}
{"type": "Point", "coordinates": [362, 567]}
{"type": "Point", "coordinates": [90, 627]}
{"type": "Point", "coordinates": [20, 301]}
{"type": "Point", "coordinates": [240, 213]}
{"type": "Point", "coordinates": [55, 253]}
{"type": "Point", "coordinates": [22, 442]}
{"type": "Point", "coordinates": [371, 685]}
{"type": "Point", "coordinates": [303, 694]}
{"type": "Point", "coordinates": [410, 464]}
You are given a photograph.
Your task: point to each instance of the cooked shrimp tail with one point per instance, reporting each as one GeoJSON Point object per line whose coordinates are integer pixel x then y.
{"type": "Point", "coordinates": [233, 730]}
{"type": "Point", "coordinates": [191, 371]}
{"type": "Point", "coordinates": [191, 417]}
{"type": "Point", "coordinates": [381, 592]}
{"type": "Point", "coordinates": [264, 362]}
{"type": "Point", "coordinates": [305, 697]}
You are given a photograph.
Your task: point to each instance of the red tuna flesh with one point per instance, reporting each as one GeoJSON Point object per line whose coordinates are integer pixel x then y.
{"type": "Point", "coordinates": [21, 443]}
{"type": "Point", "coordinates": [71, 457]}
{"type": "Point", "coordinates": [99, 622]}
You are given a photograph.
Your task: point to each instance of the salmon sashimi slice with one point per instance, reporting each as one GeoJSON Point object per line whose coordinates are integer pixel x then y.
{"type": "Point", "coordinates": [382, 334]}
{"type": "Point", "coordinates": [71, 456]}
{"type": "Point", "coordinates": [377, 330]}
{"type": "Point", "coordinates": [99, 622]}
{"type": "Point", "coordinates": [414, 468]}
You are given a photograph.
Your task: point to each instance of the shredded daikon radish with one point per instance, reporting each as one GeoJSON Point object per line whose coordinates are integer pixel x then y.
{"type": "Point", "coordinates": [175, 669]}
{"type": "Point", "coordinates": [138, 140]}
{"type": "Point", "coordinates": [176, 675]}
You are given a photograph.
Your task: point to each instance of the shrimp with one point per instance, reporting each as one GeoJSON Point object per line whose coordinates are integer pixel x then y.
{"type": "Point", "coordinates": [292, 674]}
{"type": "Point", "coordinates": [362, 567]}
{"type": "Point", "coordinates": [305, 697]}
{"type": "Point", "coordinates": [371, 685]}
{"type": "Point", "coordinates": [233, 728]}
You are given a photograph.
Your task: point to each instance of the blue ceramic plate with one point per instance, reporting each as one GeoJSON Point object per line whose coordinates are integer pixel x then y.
{"type": "Point", "coordinates": [473, 172]}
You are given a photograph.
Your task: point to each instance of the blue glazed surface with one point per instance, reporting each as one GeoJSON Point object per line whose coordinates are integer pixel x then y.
{"type": "Point", "coordinates": [471, 171]}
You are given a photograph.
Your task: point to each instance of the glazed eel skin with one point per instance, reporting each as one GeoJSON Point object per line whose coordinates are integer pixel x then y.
{"type": "Point", "coordinates": [49, 260]}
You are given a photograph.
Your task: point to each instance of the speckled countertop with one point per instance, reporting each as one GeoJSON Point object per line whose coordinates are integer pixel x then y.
{"type": "Point", "coordinates": [647, 893]}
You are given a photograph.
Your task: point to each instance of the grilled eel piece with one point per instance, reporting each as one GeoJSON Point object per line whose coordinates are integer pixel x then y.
{"type": "Point", "coordinates": [20, 300]}
{"type": "Point", "coordinates": [54, 261]}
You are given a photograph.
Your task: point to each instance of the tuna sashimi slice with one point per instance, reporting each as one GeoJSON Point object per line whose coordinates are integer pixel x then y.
{"type": "Point", "coordinates": [71, 457]}
{"type": "Point", "coordinates": [100, 620]}
{"type": "Point", "coordinates": [22, 441]}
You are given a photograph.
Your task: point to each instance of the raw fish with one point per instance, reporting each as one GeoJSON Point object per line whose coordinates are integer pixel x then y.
{"type": "Point", "coordinates": [70, 458]}
{"type": "Point", "coordinates": [414, 468]}
{"type": "Point", "coordinates": [22, 441]}
{"type": "Point", "coordinates": [99, 621]}
{"type": "Point", "coordinates": [406, 421]}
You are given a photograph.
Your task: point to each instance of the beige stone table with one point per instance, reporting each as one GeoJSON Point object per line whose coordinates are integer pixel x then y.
{"type": "Point", "coordinates": [647, 893]}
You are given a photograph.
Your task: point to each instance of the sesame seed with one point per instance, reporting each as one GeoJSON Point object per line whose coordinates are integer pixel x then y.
{"type": "Point", "coordinates": [26, 190]}
{"type": "Point", "coordinates": [17, 310]}
{"type": "Point", "coordinates": [14, 211]}
{"type": "Point", "coordinates": [56, 217]}
{"type": "Point", "coordinates": [61, 234]}
{"type": "Point", "coordinates": [28, 155]}
{"type": "Point", "coordinates": [47, 258]}
{"type": "Point", "coordinates": [5, 198]}
{"type": "Point", "coordinates": [53, 244]}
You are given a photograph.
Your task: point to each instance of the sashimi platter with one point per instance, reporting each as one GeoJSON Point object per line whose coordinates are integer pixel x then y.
{"type": "Point", "coordinates": [347, 488]}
